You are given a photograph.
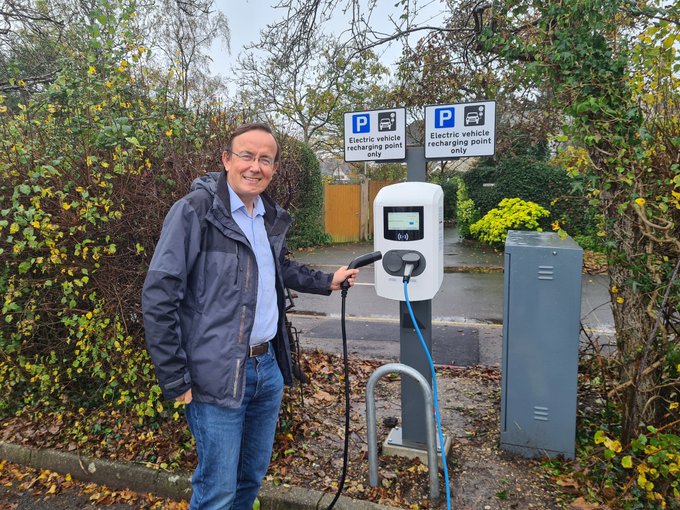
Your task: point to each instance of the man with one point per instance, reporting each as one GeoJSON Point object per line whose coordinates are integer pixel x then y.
{"type": "Point", "coordinates": [213, 303]}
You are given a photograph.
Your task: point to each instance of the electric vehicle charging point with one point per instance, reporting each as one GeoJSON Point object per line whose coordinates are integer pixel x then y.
{"type": "Point", "coordinates": [409, 232]}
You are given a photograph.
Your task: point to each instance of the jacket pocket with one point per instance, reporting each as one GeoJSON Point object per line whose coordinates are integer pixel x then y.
{"type": "Point", "coordinates": [221, 265]}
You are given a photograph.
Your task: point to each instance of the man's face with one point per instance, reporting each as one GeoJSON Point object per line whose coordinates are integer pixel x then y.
{"type": "Point", "coordinates": [250, 178]}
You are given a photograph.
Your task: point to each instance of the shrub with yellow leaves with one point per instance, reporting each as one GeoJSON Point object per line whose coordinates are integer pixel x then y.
{"type": "Point", "coordinates": [511, 213]}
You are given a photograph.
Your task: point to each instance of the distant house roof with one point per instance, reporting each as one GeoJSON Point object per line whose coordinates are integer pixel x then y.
{"type": "Point", "coordinates": [336, 168]}
{"type": "Point", "coordinates": [415, 133]}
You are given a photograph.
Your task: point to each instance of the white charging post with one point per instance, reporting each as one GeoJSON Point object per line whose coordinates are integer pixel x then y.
{"type": "Point", "coordinates": [409, 218]}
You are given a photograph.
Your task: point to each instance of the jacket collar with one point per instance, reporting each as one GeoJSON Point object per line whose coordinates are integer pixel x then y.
{"type": "Point", "coordinates": [276, 219]}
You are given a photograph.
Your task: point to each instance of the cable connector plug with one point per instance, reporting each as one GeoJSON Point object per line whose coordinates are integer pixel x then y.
{"type": "Point", "coordinates": [411, 261]}
{"type": "Point", "coordinates": [358, 262]}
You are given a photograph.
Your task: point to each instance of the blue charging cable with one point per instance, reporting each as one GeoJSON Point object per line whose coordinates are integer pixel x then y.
{"type": "Point", "coordinates": [434, 394]}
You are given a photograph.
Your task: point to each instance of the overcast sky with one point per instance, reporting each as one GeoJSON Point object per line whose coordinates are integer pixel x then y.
{"type": "Point", "coordinates": [247, 17]}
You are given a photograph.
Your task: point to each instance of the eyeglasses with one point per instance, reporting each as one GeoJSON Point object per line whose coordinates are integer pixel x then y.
{"type": "Point", "coordinates": [264, 161]}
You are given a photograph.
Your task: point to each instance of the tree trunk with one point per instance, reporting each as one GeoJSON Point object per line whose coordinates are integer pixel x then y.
{"type": "Point", "coordinates": [634, 325]}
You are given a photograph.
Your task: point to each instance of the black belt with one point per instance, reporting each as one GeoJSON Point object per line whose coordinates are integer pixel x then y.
{"type": "Point", "coordinates": [258, 350]}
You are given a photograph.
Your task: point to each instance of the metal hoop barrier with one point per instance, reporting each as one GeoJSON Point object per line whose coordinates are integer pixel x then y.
{"type": "Point", "coordinates": [372, 431]}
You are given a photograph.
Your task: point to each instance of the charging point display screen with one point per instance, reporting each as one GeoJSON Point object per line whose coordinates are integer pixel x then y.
{"type": "Point", "coordinates": [403, 223]}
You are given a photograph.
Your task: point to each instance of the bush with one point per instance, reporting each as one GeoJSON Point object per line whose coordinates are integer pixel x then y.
{"type": "Point", "coordinates": [519, 176]}
{"type": "Point", "coordinates": [298, 187]}
{"type": "Point", "coordinates": [88, 169]}
{"type": "Point", "coordinates": [450, 189]}
{"type": "Point", "coordinates": [533, 180]}
{"type": "Point", "coordinates": [466, 211]}
{"type": "Point", "coordinates": [511, 214]}
{"type": "Point", "coordinates": [649, 467]}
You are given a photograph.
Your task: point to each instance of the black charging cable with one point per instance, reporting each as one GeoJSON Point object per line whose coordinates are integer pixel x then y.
{"type": "Point", "coordinates": [358, 262]}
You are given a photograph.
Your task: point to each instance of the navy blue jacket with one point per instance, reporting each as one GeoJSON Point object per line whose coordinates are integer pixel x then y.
{"type": "Point", "coordinates": [200, 294]}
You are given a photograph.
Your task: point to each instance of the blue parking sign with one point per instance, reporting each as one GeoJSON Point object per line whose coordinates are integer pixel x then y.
{"type": "Point", "coordinates": [361, 123]}
{"type": "Point", "coordinates": [444, 117]}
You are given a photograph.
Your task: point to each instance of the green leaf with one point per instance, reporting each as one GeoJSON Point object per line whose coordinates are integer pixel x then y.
{"type": "Point", "coordinates": [627, 462]}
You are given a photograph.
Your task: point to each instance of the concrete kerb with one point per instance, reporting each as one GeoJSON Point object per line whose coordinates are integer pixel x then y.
{"type": "Point", "coordinates": [142, 479]}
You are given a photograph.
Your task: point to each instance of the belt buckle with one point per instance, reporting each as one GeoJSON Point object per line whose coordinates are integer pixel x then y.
{"type": "Point", "coordinates": [258, 350]}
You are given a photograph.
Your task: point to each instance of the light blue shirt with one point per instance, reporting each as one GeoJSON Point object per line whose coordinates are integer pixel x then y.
{"type": "Point", "coordinates": [266, 311]}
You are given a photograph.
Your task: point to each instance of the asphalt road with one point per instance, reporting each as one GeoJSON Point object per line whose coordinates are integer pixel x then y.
{"type": "Point", "coordinates": [467, 316]}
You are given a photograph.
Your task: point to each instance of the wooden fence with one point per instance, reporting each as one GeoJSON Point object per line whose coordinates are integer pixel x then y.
{"type": "Point", "coordinates": [348, 210]}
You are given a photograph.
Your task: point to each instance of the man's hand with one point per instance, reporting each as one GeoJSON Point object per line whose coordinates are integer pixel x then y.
{"type": "Point", "coordinates": [185, 398]}
{"type": "Point", "coordinates": [341, 275]}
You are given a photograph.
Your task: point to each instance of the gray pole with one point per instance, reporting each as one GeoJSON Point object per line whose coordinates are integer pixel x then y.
{"type": "Point", "coordinates": [412, 354]}
{"type": "Point", "coordinates": [415, 164]}
{"type": "Point", "coordinates": [414, 430]}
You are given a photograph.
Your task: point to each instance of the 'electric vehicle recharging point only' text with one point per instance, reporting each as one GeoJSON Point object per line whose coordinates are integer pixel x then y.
{"type": "Point", "coordinates": [409, 232]}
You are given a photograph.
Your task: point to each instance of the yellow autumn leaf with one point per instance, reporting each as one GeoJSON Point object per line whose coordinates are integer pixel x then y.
{"type": "Point", "coordinates": [640, 201]}
{"type": "Point", "coordinates": [668, 42]}
{"type": "Point", "coordinates": [627, 462]}
{"type": "Point", "coordinates": [613, 444]}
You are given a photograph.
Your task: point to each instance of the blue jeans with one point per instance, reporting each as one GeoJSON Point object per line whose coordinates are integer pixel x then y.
{"type": "Point", "coordinates": [234, 446]}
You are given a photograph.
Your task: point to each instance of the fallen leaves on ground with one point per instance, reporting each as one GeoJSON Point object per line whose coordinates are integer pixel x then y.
{"type": "Point", "coordinates": [309, 444]}
{"type": "Point", "coordinates": [582, 504]}
{"type": "Point", "coordinates": [45, 484]}
{"type": "Point", "coordinates": [594, 262]}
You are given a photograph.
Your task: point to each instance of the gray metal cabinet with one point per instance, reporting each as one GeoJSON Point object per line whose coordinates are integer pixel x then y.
{"type": "Point", "coordinates": [541, 316]}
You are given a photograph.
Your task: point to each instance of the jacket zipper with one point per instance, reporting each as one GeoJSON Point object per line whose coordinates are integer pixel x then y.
{"type": "Point", "coordinates": [248, 272]}
{"type": "Point", "coordinates": [237, 377]}
{"type": "Point", "coordinates": [238, 266]}
{"type": "Point", "coordinates": [242, 325]}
